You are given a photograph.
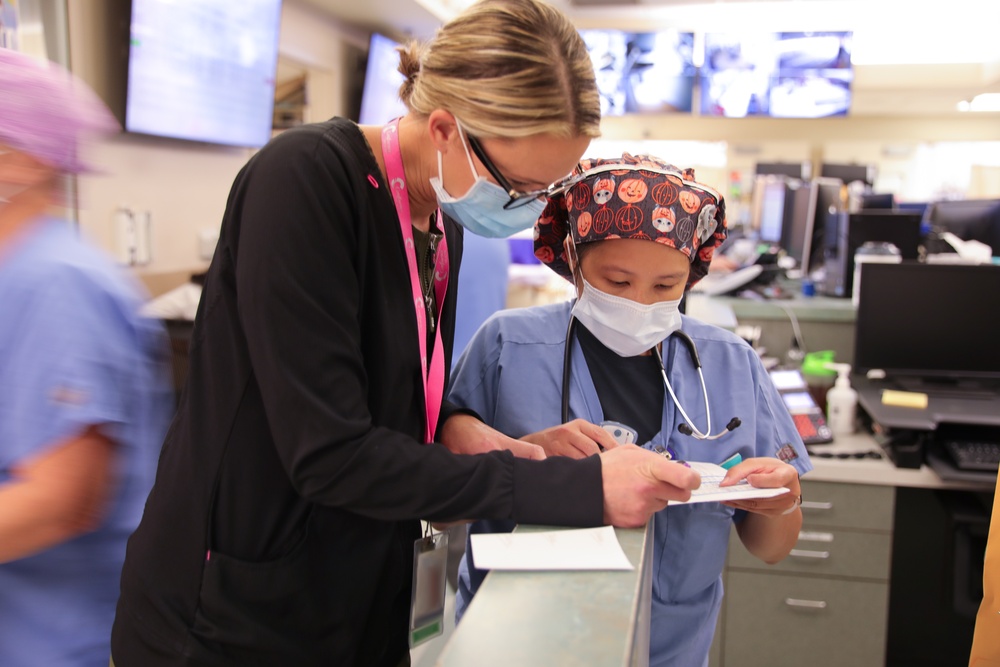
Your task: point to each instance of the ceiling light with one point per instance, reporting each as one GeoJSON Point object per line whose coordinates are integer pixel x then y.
{"type": "Point", "coordinates": [981, 102]}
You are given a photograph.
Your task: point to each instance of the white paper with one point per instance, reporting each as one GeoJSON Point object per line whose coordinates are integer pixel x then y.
{"type": "Point", "coordinates": [710, 491]}
{"type": "Point", "coordinates": [574, 549]}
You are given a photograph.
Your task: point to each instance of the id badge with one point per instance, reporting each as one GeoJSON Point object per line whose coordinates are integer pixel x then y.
{"type": "Point", "coordinates": [430, 570]}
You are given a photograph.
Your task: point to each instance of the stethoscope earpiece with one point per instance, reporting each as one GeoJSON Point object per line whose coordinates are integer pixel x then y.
{"type": "Point", "coordinates": [733, 424]}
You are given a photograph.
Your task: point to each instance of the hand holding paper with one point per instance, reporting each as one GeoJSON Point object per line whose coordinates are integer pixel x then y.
{"type": "Point", "coordinates": [638, 482]}
{"type": "Point", "coordinates": [736, 487]}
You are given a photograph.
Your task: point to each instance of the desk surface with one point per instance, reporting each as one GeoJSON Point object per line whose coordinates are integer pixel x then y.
{"type": "Point", "coordinates": [813, 309]}
{"type": "Point", "coordinates": [878, 471]}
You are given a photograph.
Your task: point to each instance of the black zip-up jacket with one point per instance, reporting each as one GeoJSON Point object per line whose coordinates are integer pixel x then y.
{"type": "Point", "coordinates": [280, 528]}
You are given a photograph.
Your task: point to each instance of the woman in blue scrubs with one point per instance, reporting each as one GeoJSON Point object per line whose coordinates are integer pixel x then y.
{"type": "Point", "coordinates": [85, 394]}
{"type": "Point", "coordinates": [633, 235]}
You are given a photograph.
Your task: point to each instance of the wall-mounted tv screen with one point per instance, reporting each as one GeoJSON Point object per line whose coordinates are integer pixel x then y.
{"type": "Point", "coordinates": [380, 101]}
{"type": "Point", "coordinates": [642, 72]}
{"type": "Point", "coordinates": [783, 74]}
{"type": "Point", "coordinates": [203, 70]}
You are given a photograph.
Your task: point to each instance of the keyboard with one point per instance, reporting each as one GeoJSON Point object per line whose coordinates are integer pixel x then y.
{"type": "Point", "coordinates": [974, 455]}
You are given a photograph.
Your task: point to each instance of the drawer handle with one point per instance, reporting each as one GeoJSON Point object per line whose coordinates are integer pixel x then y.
{"type": "Point", "coordinates": [805, 553]}
{"type": "Point", "coordinates": [806, 604]}
{"type": "Point", "coordinates": [813, 505]}
{"type": "Point", "coordinates": [815, 536]}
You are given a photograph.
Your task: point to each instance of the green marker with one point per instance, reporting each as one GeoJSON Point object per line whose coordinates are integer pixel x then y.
{"type": "Point", "coordinates": [731, 461]}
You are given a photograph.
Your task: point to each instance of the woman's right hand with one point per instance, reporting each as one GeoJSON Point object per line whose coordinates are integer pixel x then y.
{"type": "Point", "coordinates": [638, 483]}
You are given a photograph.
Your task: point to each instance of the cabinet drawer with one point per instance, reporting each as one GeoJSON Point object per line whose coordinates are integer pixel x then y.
{"type": "Point", "coordinates": [825, 552]}
{"type": "Point", "coordinates": [847, 505]}
{"type": "Point", "coordinates": [775, 620]}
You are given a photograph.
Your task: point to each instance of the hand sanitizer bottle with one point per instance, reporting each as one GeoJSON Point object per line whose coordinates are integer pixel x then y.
{"type": "Point", "coordinates": [841, 402]}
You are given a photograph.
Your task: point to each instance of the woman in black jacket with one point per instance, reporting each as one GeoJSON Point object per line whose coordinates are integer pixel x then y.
{"type": "Point", "coordinates": [281, 527]}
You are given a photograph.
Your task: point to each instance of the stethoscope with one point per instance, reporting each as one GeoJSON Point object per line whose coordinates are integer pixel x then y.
{"type": "Point", "coordinates": [687, 428]}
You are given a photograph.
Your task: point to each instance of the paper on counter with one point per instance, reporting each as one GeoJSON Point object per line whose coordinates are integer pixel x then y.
{"type": "Point", "coordinates": [574, 549]}
{"type": "Point", "coordinates": [710, 491]}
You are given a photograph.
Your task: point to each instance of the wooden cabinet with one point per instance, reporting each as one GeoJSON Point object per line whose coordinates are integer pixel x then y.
{"type": "Point", "coordinates": [827, 602]}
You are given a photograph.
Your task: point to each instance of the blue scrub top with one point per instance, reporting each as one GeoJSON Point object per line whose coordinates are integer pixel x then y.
{"type": "Point", "coordinates": [511, 375]}
{"type": "Point", "coordinates": [482, 286]}
{"type": "Point", "coordinates": [74, 353]}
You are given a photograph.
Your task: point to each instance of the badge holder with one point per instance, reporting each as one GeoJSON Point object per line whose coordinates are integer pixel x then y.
{"type": "Point", "coordinates": [430, 569]}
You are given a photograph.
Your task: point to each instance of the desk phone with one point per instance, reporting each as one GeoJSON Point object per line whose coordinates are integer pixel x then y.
{"type": "Point", "coordinates": [808, 417]}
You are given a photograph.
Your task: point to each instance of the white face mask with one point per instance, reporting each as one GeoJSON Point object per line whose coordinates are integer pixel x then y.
{"type": "Point", "coordinates": [624, 326]}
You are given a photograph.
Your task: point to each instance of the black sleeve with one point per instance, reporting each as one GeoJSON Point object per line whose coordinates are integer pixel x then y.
{"type": "Point", "coordinates": [302, 289]}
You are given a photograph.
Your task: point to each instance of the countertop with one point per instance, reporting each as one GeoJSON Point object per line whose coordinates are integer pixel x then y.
{"type": "Point", "coordinates": [877, 471]}
{"type": "Point", "coordinates": [558, 618]}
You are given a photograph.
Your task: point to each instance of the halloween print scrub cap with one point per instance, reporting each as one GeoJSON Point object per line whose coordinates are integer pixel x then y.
{"type": "Point", "coordinates": [633, 197]}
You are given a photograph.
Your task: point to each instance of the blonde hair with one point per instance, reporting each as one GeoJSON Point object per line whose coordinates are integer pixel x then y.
{"type": "Point", "coordinates": [505, 68]}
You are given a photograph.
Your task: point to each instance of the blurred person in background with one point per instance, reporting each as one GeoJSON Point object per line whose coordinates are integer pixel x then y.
{"type": "Point", "coordinates": [84, 392]}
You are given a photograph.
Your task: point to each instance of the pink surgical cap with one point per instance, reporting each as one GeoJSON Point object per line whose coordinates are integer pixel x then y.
{"type": "Point", "coordinates": [45, 112]}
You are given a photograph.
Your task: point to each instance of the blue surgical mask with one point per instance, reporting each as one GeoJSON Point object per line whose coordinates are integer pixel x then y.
{"type": "Point", "coordinates": [481, 209]}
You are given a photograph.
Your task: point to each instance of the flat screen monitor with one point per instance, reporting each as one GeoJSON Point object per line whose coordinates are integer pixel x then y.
{"type": "Point", "coordinates": [815, 207]}
{"type": "Point", "coordinates": [928, 320]}
{"type": "Point", "coordinates": [780, 74]}
{"type": "Point", "coordinates": [772, 192]}
{"type": "Point", "coordinates": [380, 101]}
{"type": "Point", "coordinates": [848, 173]}
{"type": "Point", "coordinates": [642, 72]}
{"type": "Point", "coordinates": [790, 169]}
{"type": "Point", "coordinates": [203, 70]}
{"type": "Point", "coordinates": [902, 229]}
{"type": "Point", "coordinates": [969, 220]}
{"type": "Point", "coordinates": [878, 200]}
{"type": "Point", "coordinates": [912, 206]}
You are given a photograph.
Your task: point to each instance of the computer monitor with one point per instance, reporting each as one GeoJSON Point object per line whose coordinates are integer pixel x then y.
{"type": "Point", "coordinates": [899, 228]}
{"type": "Point", "coordinates": [380, 101]}
{"type": "Point", "coordinates": [928, 321]}
{"type": "Point", "coordinates": [878, 200]}
{"type": "Point", "coordinates": [813, 204]}
{"type": "Point", "coordinates": [791, 169]}
{"type": "Point", "coordinates": [912, 206]}
{"type": "Point", "coordinates": [968, 219]}
{"type": "Point", "coordinates": [771, 194]}
{"type": "Point", "coordinates": [848, 173]}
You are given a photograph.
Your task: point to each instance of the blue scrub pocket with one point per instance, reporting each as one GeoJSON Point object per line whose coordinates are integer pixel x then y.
{"type": "Point", "coordinates": [691, 543]}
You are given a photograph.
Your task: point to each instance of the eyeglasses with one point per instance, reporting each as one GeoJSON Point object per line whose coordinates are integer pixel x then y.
{"type": "Point", "coordinates": [517, 199]}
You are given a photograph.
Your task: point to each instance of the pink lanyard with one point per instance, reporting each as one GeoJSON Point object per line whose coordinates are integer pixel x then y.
{"type": "Point", "coordinates": [434, 379]}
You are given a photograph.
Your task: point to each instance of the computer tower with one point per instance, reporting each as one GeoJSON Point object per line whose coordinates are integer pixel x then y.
{"type": "Point", "coordinates": [846, 232]}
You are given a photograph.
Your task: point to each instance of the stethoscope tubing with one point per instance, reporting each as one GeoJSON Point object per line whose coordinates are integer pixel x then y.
{"type": "Point", "coordinates": [695, 359]}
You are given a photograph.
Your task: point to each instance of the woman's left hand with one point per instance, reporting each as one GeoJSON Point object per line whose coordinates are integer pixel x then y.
{"type": "Point", "coordinates": [576, 439]}
{"type": "Point", "coordinates": [464, 434]}
{"type": "Point", "coordinates": [766, 473]}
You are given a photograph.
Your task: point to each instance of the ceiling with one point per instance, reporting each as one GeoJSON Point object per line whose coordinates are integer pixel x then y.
{"type": "Point", "coordinates": [906, 62]}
